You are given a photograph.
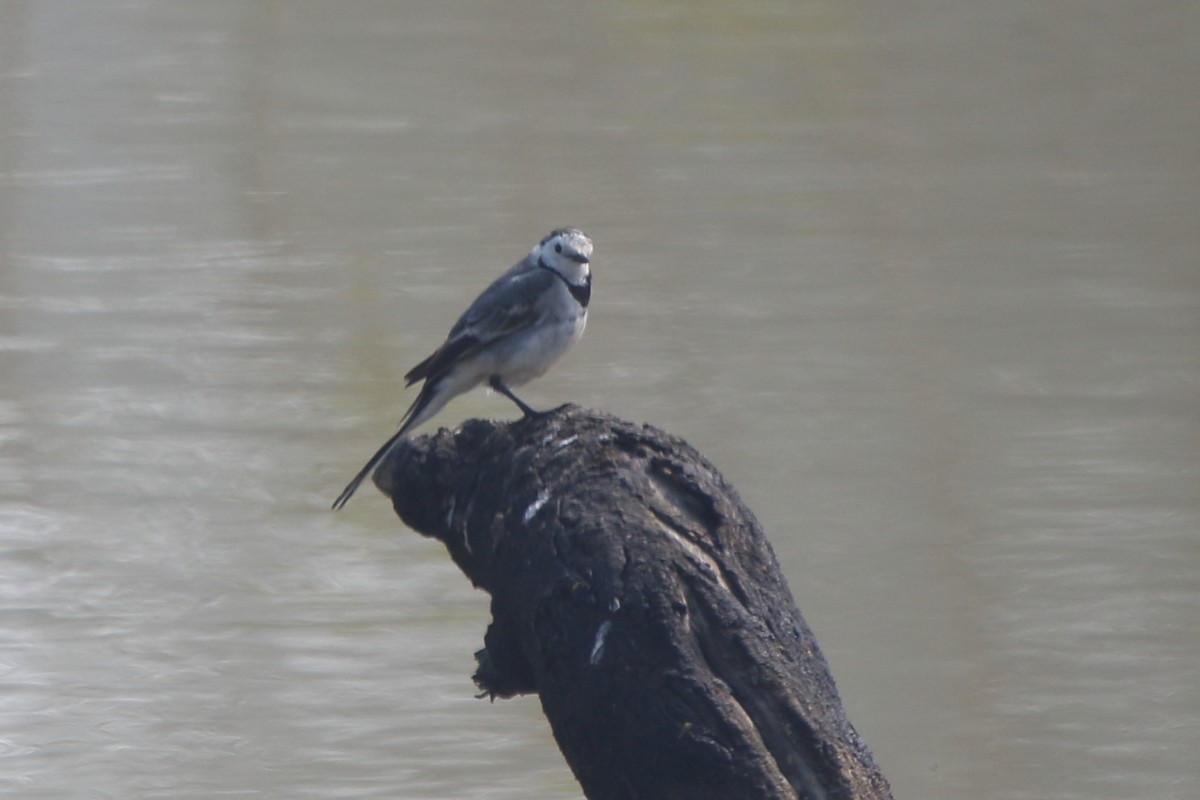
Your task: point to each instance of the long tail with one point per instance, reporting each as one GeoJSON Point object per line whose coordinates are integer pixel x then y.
{"type": "Point", "coordinates": [380, 454]}
{"type": "Point", "coordinates": [430, 401]}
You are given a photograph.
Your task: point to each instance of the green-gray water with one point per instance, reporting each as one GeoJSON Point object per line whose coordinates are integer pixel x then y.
{"type": "Point", "coordinates": [922, 279]}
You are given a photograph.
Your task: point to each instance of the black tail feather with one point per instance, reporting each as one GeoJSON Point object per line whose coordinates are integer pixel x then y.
{"type": "Point", "coordinates": [353, 485]}
{"type": "Point", "coordinates": [416, 408]}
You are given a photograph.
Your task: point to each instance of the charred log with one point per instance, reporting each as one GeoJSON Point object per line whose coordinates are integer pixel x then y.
{"type": "Point", "coordinates": [637, 596]}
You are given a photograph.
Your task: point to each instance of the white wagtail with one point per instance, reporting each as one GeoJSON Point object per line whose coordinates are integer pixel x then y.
{"type": "Point", "coordinates": [511, 334]}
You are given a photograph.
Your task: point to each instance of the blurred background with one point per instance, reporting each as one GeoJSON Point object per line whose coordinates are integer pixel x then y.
{"type": "Point", "coordinates": [921, 278]}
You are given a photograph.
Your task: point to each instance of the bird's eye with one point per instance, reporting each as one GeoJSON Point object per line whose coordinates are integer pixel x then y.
{"type": "Point", "coordinates": [558, 248]}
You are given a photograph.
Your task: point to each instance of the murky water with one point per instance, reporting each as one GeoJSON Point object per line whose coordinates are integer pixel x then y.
{"type": "Point", "coordinates": [922, 279]}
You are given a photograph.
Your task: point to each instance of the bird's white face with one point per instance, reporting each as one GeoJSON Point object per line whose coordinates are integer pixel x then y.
{"type": "Point", "coordinates": [566, 251]}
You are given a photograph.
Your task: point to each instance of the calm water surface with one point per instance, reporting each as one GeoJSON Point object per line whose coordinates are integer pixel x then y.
{"type": "Point", "coordinates": [920, 278]}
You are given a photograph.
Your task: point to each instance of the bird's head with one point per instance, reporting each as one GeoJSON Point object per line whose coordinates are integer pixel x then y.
{"type": "Point", "coordinates": [566, 251]}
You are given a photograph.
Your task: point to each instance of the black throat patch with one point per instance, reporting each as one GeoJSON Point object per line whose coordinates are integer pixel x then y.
{"type": "Point", "coordinates": [582, 294]}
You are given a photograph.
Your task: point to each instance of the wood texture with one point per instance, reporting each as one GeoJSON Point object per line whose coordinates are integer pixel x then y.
{"type": "Point", "coordinates": [637, 596]}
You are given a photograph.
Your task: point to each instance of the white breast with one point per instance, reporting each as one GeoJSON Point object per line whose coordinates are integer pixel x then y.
{"type": "Point", "coordinates": [536, 351]}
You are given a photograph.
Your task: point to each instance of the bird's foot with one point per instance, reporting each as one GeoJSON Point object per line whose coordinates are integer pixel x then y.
{"type": "Point", "coordinates": [499, 386]}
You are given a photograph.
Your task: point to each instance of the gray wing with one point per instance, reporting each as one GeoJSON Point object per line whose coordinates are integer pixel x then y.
{"type": "Point", "coordinates": [509, 304]}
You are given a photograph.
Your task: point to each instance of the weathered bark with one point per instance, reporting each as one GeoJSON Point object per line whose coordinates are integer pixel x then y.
{"type": "Point", "coordinates": [638, 597]}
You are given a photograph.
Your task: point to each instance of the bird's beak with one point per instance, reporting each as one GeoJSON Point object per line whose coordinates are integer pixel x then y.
{"type": "Point", "coordinates": [579, 258]}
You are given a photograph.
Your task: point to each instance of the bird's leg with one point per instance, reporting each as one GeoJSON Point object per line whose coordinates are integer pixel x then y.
{"type": "Point", "coordinates": [499, 386]}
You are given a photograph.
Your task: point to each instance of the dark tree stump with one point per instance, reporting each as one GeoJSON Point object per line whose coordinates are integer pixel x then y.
{"type": "Point", "coordinates": [637, 596]}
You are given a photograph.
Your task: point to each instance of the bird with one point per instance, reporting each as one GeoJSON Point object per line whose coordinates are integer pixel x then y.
{"type": "Point", "coordinates": [512, 333]}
